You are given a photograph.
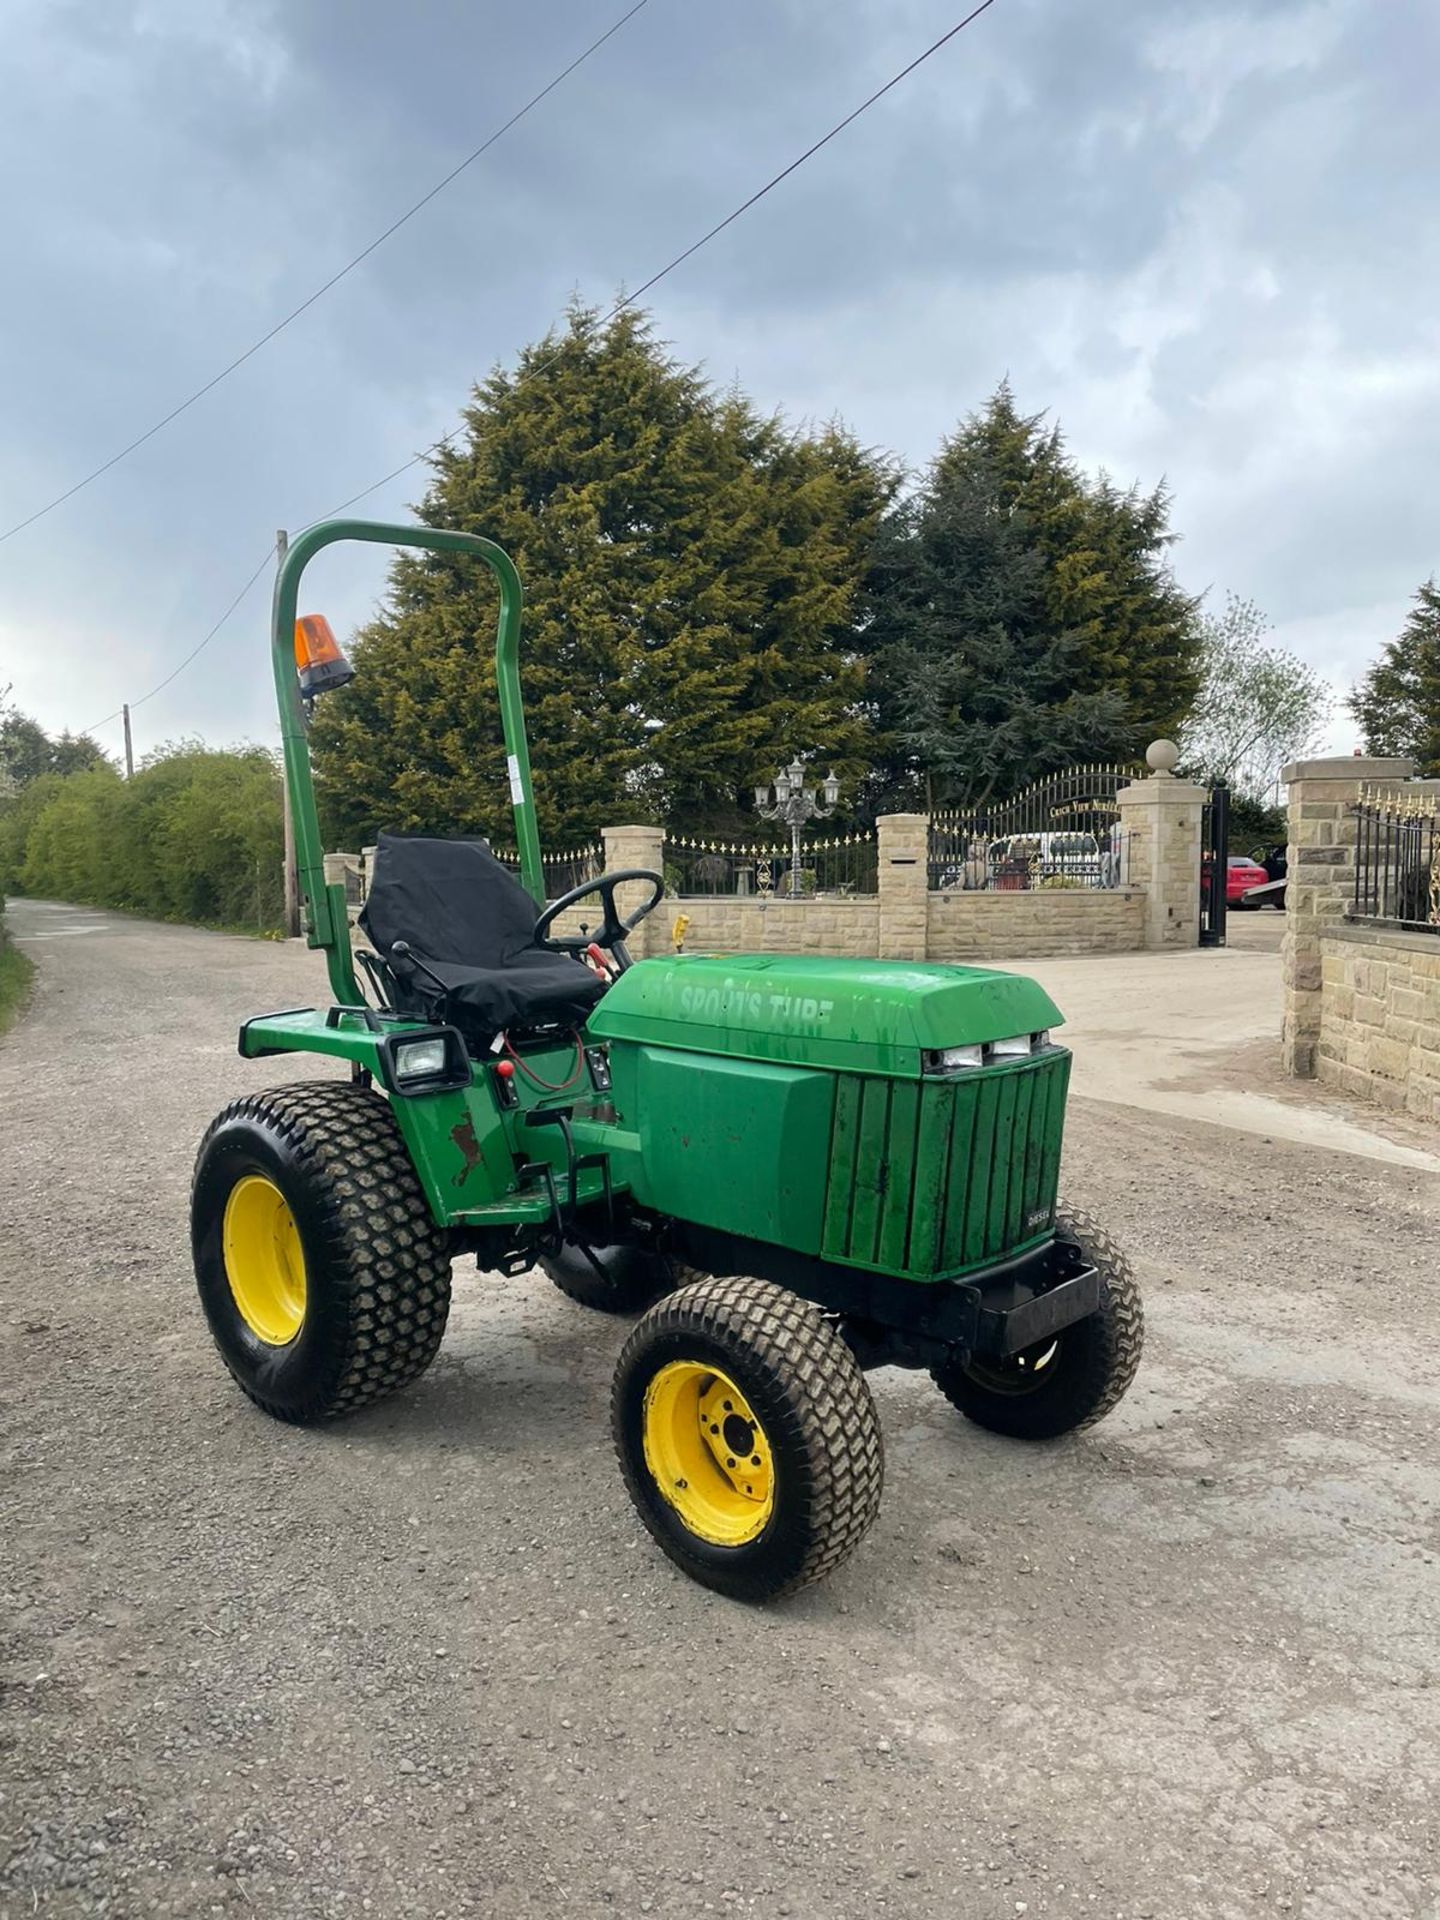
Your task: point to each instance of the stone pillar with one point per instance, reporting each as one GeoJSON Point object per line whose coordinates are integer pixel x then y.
{"type": "Point", "coordinates": [1161, 818]}
{"type": "Point", "coordinates": [903, 885]}
{"type": "Point", "coordinates": [1319, 883]}
{"type": "Point", "coordinates": [639, 847]}
{"type": "Point", "coordinates": [344, 870]}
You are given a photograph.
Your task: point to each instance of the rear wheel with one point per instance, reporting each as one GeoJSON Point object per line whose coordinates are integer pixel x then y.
{"type": "Point", "coordinates": [747, 1436]}
{"type": "Point", "coordinates": [1071, 1380]}
{"type": "Point", "coordinates": [324, 1279]}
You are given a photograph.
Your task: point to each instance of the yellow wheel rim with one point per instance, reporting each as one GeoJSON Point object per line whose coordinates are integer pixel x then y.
{"type": "Point", "coordinates": [264, 1261]}
{"type": "Point", "coordinates": [708, 1454]}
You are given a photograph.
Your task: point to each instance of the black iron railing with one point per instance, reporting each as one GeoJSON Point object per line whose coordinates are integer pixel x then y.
{"type": "Point", "coordinates": [697, 868]}
{"type": "Point", "coordinates": [1062, 832]}
{"type": "Point", "coordinates": [561, 871]}
{"type": "Point", "coordinates": [1397, 860]}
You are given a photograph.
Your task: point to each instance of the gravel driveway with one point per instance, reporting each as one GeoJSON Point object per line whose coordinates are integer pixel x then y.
{"type": "Point", "coordinates": [427, 1664]}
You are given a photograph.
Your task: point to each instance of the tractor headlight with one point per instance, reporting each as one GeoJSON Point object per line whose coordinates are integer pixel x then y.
{"type": "Point", "coordinates": [949, 1058]}
{"type": "Point", "coordinates": [415, 1065]}
{"type": "Point", "coordinates": [1017, 1047]}
{"type": "Point", "coordinates": [418, 1059]}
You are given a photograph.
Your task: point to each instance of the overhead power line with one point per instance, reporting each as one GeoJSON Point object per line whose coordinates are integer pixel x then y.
{"type": "Point", "coordinates": [629, 300]}
{"type": "Point", "coordinates": [194, 652]}
{"type": "Point", "coordinates": [319, 293]}
{"type": "Point", "coordinates": [695, 245]}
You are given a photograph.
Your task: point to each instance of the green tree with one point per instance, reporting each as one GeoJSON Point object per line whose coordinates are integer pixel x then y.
{"type": "Point", "coordinates": [20, 808]}
{"type": "Point", "coordinates": [1023, 615]}
{"type": "Point", "coordinates": [27, 751]}
{"type": "Point", "coordinates": [204, 839]}
{"type": "Point", "coordinates": [973, 685]}
{"type": "Point", "coordinates": [1398, 702]}
{"type": "Point", "coordinates": [72, 849]}
{"type": "Point", "coordinates": [75, 753]}
{"type": "Point", "coordinates": [691, 573]}
{"type": "Point", "coordinates": [1259, 705]}
{"type": "Point", "coordinates": [195, 836]}
{"type": "Point", "coordinates": [1108, 586]}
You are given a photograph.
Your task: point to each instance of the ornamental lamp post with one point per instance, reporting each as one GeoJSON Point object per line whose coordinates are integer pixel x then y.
{"type": "Point", "coordinates": [789, 799]}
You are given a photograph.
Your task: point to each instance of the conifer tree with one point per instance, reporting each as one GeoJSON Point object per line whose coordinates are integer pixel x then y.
{"type": "Point", "coordinates": [1398, 701]}
{"type": "Point", "coordinates": [690, 568]}
{"type": "Point", "coordinates": [1023, 616]}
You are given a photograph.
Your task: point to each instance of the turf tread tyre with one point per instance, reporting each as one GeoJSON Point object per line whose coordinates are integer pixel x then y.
{"type": "Point", "coordinates": [1098, 1359]}
{"type": "Point", "coordinates": [817, 1411]}
{"type": "Point", "coordinates": [368, 1236]}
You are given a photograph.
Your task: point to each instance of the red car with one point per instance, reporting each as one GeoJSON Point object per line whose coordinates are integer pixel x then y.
{"type": "Point", "coordinates": [1242, 873]}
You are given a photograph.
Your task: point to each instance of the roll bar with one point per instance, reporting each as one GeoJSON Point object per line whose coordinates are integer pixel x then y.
{"type": "Point", "coordinates": [329, 921]}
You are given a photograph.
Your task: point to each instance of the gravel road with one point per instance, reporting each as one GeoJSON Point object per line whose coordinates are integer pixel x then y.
{"type": "Point", "coordinates": [427, 1664]}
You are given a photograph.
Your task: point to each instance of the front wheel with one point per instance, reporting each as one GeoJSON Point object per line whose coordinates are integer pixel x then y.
{"type": "Point", "coordinates": [1071, 1380]}
{"type": "Point", "coordinates": [747, 1436]}
{"type": "Point", "coordinates": [324, 1278]}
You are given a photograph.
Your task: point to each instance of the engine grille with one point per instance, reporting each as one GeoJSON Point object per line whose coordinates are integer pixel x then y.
{"type": "Point", "coordinates": [931, 1177]}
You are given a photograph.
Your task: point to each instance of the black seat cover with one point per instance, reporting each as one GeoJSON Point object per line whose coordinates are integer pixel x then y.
{"type": "Point", "coordinates": [473, 925]}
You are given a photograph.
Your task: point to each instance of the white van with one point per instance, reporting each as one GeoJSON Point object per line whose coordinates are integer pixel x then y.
{"type": "Point", "coordinates": [1030, 859]}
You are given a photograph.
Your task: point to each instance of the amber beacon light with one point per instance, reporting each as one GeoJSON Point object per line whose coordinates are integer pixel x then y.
{"type": "Point", "coordinates": [318, 660]}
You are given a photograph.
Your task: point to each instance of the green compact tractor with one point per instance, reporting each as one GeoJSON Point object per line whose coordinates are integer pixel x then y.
{"type": "Point", "coordinates": [792, 1169]}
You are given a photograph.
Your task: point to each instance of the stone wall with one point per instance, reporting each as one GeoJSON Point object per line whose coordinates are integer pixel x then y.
{"type": "Point", "coordinates": [1362, 999]}
{"type": "Point", "coordinates": [1017, 926]}
{"type": "Point", "coordinates": [903, 920]}
{"type": "Point", "coordinates": [1379, 1033]}
{"type": "Point", "coordinates": [1319, 884]}
{"type": "Point", "coordinates": [850, 927]}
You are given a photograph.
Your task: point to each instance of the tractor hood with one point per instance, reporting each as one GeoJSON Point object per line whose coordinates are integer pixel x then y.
{"type": "Point", "coordinates": [852, 1016]}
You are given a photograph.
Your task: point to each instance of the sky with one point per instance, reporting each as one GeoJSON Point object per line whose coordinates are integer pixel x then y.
{"type": "Point", "coordinates": [1205, 237]}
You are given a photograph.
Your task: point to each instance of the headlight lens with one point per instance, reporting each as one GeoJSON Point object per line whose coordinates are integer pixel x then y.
{"type": "Point", "coordinates": [953, 1057]}
{"type": "Point", "coordinates": [417, 1058]}
{"type": "Point", "coordinates": [1017, 1047]}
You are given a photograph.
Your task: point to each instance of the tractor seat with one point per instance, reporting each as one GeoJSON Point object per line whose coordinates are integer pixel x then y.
{"type": "Point", "coordinates": [471, 925]}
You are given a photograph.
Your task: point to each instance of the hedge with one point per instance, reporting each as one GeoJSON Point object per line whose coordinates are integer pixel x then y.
{"type": "Point", "coordinates": [196, 835]}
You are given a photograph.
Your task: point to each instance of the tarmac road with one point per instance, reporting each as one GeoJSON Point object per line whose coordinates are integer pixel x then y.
{"type": "Point", "coordinates": [426, 1663]}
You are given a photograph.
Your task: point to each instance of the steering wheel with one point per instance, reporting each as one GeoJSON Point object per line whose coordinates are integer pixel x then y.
{"type": "Point", "coordinates": [613, 928]}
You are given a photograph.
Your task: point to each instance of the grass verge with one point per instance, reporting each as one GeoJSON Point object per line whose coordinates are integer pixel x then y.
{"type": "Point", "coordinates": [16, 971]}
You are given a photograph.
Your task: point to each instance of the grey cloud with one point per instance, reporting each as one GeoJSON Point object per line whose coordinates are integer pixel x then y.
{"type": "Point", "coordinates": [1204, 235]}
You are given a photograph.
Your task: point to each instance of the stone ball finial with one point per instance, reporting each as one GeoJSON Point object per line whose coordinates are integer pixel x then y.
{"type": "Point", "coordinates": [1162, 757]}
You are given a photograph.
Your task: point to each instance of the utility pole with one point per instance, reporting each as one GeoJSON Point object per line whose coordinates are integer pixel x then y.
{"type": "Point", "coordinates": [292, 874]}
{"type": "Point", "coordinates": [129, 749]}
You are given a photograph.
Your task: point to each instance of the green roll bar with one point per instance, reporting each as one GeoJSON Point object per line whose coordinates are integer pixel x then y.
{"type": "Point", "coordinates": [329, 921]}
